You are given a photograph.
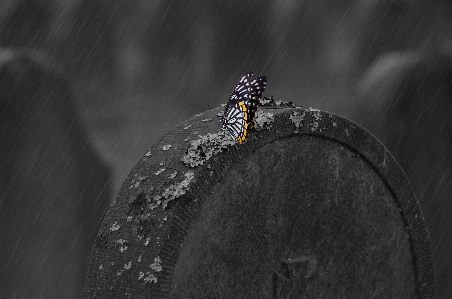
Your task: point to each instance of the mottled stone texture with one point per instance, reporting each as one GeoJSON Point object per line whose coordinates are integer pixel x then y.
{"type": "Point", "coordinates": [300, 196]}
{"type": "Point", "coordinates": [319, 210]}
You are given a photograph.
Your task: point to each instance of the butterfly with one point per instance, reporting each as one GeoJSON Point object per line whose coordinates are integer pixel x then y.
{"type": "Point", "coordinates": [240, 110]}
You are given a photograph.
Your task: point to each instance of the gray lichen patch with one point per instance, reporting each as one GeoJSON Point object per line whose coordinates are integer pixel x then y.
{"type": "Point", "coordinates": [151, 276]}
{"type": "Point", "coordinates": [156, 266]}
{"type": "Point", "coordinates": [263, 120]}
{"type": "Point", "coordinates": [128, 265]}
{"type": "Point", "coordinates": [115, 226]}
{"type": "Point", "coordinates": [205, 147]}
{"type": "Point", "coordinates": [297, 119]}
{"type": "Point", "coordinates": [135, 183]}
{"type": "Point", "coordinates": [122, 244]}
{"type": "Point", "coordinates": [172, 175]}
{"type": "Point", "coordinates": [147, 277]}
{"type": "Point", "coordinates": [159, 171]}
{"type": "Point", "coordinates": [317, 116]}
{"type": "Point", "coordinates": [271, 102]}
{"type": "Point", "coordinates": [150, 198]}
{"type": "Point", "coordinates": [174, 191]}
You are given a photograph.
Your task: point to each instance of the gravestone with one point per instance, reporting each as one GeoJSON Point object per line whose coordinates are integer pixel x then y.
{"type": "Point", "coordinates": [54, 187]}
{"type": "Point", "coordinates": [309, 206]}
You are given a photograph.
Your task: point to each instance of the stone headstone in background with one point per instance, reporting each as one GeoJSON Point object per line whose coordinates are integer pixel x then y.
{"type": "Point", "coordinates": [311, 204]}
{"type": "Point", "coordinates": [406, 99]}
{"type": "Point", "coordinates": [54, 188]}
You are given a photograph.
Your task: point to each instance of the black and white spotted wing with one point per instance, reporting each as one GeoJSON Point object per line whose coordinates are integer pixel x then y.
{"type": "Point", "coordinates": [240, 110]}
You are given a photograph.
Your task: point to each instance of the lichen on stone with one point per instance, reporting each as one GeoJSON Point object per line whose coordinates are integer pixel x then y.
{"type": "Point", "coordinates": [147, 277]}
{"type": "Point", "coordinates": [271, 102]}
{"type": "Point", "coordinates": [115, 226]}
{"type": "Point", "coordinates": [172, 175]}
{"type": "Point", "coordinates": [128, 265]}
{"type": "Point", "coordinates": [122, 244]}
{"type": "Point", "coordinates": [263, 120]}
{"type": "Point", "coordinates": [317, 118]}
{"type": "Point", "coordinates": [175, 190]}
{"type": "Point", "coordinates": [156, 266]}
{"type": "Point", "coordinates": [159, 171]}
{"type": "Point", "coordinates": [297, 118]}
{"type": "Point", "coordinates": [202, 149]}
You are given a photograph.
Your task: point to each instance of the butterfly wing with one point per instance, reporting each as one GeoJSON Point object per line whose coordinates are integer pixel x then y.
{"type": "Point", "coordinates": [238, 117]}
{"type": "Point", "coordinates": [235, 121]}
{"type": "Point", "coordinates": [257, 87]}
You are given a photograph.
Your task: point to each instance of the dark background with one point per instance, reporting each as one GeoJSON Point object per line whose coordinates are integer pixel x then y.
{"type": "Point", "coordinates": [137, 68]}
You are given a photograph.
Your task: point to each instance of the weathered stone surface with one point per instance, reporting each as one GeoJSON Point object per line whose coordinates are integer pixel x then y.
{"type": "Point", "coordinates": [311, 204]}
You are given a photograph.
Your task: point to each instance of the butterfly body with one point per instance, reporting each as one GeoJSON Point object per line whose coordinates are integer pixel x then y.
{"type": "Point", "coordinates": [240, 110]}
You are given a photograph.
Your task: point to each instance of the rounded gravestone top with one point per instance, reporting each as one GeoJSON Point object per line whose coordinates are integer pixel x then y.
{"type": "Point", "coordinates": [311, 204]}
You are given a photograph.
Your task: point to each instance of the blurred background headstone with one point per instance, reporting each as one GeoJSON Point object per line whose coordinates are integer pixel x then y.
{"type": "Point", "coordinates": [407, 103]}
{"type": "Point", "coordinates": [54, 188]}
